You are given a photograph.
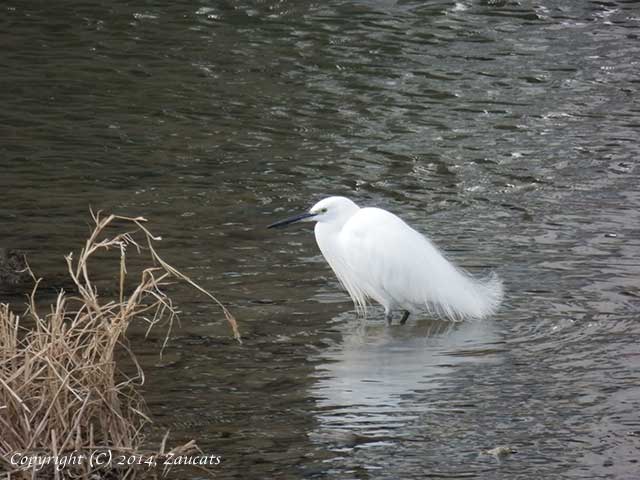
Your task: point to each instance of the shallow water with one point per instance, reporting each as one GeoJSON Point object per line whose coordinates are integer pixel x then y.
{"type": "Point", "coordinates": [505, 130]}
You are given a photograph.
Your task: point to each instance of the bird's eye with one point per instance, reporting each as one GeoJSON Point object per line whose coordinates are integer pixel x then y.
{"type": "Point", "coordinates": [324, 210]}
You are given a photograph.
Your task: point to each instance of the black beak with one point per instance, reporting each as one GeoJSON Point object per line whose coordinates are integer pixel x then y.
{"type": "Point", "coordinates": [290, 220]}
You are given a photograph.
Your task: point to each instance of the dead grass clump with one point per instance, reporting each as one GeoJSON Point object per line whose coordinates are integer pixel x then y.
{"type": "Point", "coordinates": [61, 391]}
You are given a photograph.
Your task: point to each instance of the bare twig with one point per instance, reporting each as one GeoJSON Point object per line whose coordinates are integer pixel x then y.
{"type": "Point", "coordinates": [60, 390]}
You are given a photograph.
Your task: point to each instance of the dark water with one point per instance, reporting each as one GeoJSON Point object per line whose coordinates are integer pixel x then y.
{"type": "Point", "coordinates": [506, 130]}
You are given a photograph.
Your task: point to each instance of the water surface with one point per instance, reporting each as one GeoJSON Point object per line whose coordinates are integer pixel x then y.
{"type": "Point", "coordinates": [507, 131]}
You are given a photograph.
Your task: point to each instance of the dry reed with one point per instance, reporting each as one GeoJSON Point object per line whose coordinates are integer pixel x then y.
{"type": "Point", "coordinates": [60, 388]}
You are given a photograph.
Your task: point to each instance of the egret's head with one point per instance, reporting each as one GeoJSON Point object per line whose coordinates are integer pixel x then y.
{"type": "Point", "coordinates": [331, 209]}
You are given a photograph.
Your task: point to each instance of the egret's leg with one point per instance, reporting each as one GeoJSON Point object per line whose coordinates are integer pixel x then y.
{"type": "Point", "coordinates": [405, 315]}
{"type": "Point", "coordinates": [389, 316]}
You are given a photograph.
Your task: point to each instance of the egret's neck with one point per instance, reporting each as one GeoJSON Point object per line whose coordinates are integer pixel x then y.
{"type": "Point", "coordinates": [327, 234]}
{"type": "Point", "coordinates": [327, 231]}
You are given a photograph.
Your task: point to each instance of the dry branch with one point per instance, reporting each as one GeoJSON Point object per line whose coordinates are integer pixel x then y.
{"type": "Point", "coordinates": [60, 388]}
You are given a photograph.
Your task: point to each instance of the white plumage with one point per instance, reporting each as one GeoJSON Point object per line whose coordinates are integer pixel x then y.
{"type": "Point", "coordinates": [377, 256]}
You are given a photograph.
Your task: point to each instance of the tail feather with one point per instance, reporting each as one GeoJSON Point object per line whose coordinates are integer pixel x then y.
{"type": "Point", "coordinates": [467, 297]}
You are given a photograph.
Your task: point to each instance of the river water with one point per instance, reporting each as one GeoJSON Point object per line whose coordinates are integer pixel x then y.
{"type": "Point", "coordinates": [505, 130]}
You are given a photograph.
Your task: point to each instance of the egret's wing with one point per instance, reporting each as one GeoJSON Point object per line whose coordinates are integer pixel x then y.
{"type": "Point", "coordinates": [398, 267]}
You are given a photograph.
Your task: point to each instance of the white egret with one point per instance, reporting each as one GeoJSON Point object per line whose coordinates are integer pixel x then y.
{"type": "Point", "coordinates": [377, 256]}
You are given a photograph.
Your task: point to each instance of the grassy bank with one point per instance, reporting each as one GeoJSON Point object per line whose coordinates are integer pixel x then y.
{"type": "Point", "coordinates": [61, 391]}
